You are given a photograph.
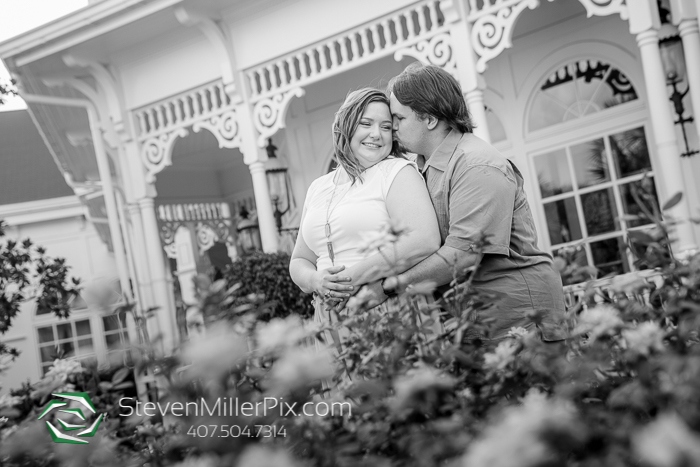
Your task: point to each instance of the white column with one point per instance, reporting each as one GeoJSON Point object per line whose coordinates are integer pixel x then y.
{"type": "Point", "coordinates": [266, 221]}
{"type": "Point", "coordinates": [690, 34]}
{"type": "Point", "coordinates": [162, 293]}
{"type": "Point", "coordinates": [667, 149]}
{"type": "Point", "coordinates": [472, 83]}
{"type": "Point", "coordinates": [475, 102]}
{"type": "Point", "coordinates": [143, 272]}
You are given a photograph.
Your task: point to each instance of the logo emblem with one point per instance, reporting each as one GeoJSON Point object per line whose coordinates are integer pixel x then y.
{"type": "Point", "coordinates": [58, 436]}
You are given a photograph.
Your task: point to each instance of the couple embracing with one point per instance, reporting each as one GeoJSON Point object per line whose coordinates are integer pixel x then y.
{"type": "Point", "coordinates": [457, 191]}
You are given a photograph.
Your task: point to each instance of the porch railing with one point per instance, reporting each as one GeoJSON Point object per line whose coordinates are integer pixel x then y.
{"type": "Point", "coordinates": [349, 49]}
{"type": "Point", "coordinates": [609, 289]}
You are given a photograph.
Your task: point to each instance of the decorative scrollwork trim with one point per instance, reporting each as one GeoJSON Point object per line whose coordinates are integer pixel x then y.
{"type": "Point", "coordinates": [157, 152]}
{"type": "Point", "coordinates": [269, 113]}
{"type": "Point", "coordinates": [436, 50]}
{"type": "Point", "coordinates": [605, 8]}
{"type": "Point", "coordinates": [492, 32]}
{"type": "Point", "coordinates": [224, 127]}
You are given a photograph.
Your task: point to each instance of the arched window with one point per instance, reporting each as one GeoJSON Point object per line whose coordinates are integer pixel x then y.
{"type": "Point", "coordinates": [576, 90]}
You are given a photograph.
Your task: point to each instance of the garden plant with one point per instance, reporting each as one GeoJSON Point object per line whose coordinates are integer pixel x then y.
{"type": "Point", "coordinates": [409, 387]}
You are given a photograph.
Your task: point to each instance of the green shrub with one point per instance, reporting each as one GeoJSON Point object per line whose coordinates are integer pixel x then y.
{"type": "Point", "coordinates": [268, 275]}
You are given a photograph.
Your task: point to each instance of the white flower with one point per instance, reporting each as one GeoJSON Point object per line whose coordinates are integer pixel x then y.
{"type": "Point", "coordinates": [215, 355]}
{"type": "Point", "coordinates": [645, 338]}
{"type": "Point", "coordinates": [502, 356]}
{"type": "Point", "coordinates": [516, 440]}
{"type": "Point", "coordinates": [667, 442]}
{"type": "Point", "coordinates": [364, 296]}
{"type": "Point", "coordinates": [279, 333]}
{"type": "Point", "coordinates": [374, 240]}
{"type": "Point", "coordinates": [7, 401]}
{"type": "Point", "coordinates": [301, 367]}
{"type": "Point", "coordinates": [62, 369]}
{"type": "Point", "coordinates": [598, 321]}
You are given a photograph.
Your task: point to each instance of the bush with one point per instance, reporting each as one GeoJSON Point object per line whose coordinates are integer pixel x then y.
{"type": "Point", "coordinates": [623, 390]}
{"type": "Point", "coordinates": [268, 275]}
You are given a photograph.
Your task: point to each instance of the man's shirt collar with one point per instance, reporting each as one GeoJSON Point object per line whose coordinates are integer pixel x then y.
{"type": "Point", "coordinates": [442, 154]}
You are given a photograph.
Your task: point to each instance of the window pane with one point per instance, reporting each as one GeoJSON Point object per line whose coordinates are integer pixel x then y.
{"type": "Point", "coordinates": [122, 319]}
{"type": "Point", "coordinates": [599, 211]}
{"type": "Point", "coordinates": [46, 334]}
{"type": "Point", "coordinates": [113, 341]}
{"type": "Point", "coordinates": [64, 331]}
{"type": "Point", "coordinates": [67, 349]}
{"type": "Point", "coordinates": [48, 353]}
{"type": "Point", "coordinates": [630, 153]}
{"type": "Point", "coordinates": [562, 221]}
{"type": "Point", "coordinates": [645, 190]}
{"type": "Point", "coordinates": [85, 345]}
{"type": "Point", "coordinates": [82, 328]}
{"type": "Point", "coordinates": [111, 323]}
{"type": "Point", "coordinates": [609, 256]}
{"type": "Point", "coordinates": [553, 173]}
{"type": "Point", "coordinates": [590, 163]}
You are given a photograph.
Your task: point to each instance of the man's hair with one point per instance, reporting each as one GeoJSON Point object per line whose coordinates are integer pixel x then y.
{"type": "Point", "coordinates": [430, 90]}
{"type": "Point", "coordinates": [346, 121]}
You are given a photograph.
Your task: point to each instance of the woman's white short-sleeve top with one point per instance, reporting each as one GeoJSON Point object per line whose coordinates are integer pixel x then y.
{"type": "Point", "coordinates": [354, 209]}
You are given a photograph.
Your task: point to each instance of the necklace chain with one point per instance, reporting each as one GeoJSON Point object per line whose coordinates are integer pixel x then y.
{"type": "Point", "coordinates": [327, 227]}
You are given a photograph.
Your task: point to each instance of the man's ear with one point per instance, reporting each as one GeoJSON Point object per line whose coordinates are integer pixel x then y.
{"type": "Point", "coordinates": [432, 122]}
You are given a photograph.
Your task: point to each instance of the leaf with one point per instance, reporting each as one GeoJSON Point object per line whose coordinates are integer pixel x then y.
{"type": "Point", "coordinates": [640, 237]}
{"type": "Point", "coordinates": [120, 375]}
{"type": "Point", "coordinates": [124, 385]}
{"type": "Point", "coordinates": [675, 199]}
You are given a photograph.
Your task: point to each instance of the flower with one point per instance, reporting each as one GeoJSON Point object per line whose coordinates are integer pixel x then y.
{"type": "Point", "coordinates": [502, 356]}
{"type": "Point", "coordinates": [412, 390]}
{"type": "Point", "coordinates": [7, 401]}
{"type": "Point", "coordinates": [375, 240]}
{"type": "Point", "coordinates": [363, 297]}
{"type": "Point", "coordinates": [598, 321]}
{"type": "Point", "coordinates": [667, 442]}
{"type": "Point", "coordinates": [62, 369]}
{"type": "Point", "coordinates": [214, 356]}
{"type": "Point", "coordinates": [279, 333]}
{"type": "Point", "coordinates": [301, 367]}
{"type": "Point", "coordinates": [518, 438]}
{"type": "Point", "coordinates": [628, 283]}
{"type": "Point", "coordinates": [645, 338]}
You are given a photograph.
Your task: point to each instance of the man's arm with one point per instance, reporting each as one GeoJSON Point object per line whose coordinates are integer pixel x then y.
{"type": "Point", "coordinates": [440, 267]}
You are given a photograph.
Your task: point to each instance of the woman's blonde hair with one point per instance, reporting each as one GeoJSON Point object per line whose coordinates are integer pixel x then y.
{"type": "Point", "coordinates": [346, 121]}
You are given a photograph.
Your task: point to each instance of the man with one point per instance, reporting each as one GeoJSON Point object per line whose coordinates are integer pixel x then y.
{"type": "Point", "coordinates": [476, 193]}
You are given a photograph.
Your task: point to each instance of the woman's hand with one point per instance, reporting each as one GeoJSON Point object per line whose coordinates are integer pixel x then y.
{"type": "Point", "coordinates": [331, 286]}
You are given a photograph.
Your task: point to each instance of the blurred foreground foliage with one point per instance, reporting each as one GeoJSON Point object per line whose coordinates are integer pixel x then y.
{"type": "Point", "coordinates": [407, 388]}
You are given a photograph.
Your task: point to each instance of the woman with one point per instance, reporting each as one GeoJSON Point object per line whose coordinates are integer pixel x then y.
{"type": "Point", "coordinates": [373, 186]}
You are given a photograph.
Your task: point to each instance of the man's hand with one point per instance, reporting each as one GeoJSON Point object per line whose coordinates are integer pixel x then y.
{"type": "Point", "coordinates": [370, 294]}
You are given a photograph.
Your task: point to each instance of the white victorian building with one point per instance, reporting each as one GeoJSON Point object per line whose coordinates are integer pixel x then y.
{"type": "Point", "coordinates": [173, 107]}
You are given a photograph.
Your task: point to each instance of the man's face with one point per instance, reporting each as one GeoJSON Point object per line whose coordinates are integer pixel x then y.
{"type": "Point", "coordinates": [408, 128]}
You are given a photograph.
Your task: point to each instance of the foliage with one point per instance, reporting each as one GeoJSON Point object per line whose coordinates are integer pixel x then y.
{"type": "Point", "coordinates": [267, 274]}
{"type": "Point", "coordinates": [7, 89]}
{"type": "Point", "coordinates": [623, 390]}
{"type": "Point", "coordinates": [24, 265]}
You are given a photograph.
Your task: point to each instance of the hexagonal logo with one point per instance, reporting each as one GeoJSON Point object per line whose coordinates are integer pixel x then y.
{"type": "Point", "coordinates": [58, 436]}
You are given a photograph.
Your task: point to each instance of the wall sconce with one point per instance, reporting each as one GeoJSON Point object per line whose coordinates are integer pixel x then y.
{"type": "Point", "coordinates": [248, 232]}
{"type": "Point", "coordinates": [673, 61]}
{"type": "Point", "coordinates": [279, 185]}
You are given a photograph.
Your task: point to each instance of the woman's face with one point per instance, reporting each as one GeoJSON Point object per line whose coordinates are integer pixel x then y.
{"type": "Point", "coordinates": [372, 140]}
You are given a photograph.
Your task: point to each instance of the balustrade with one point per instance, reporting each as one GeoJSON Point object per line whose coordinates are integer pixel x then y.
{"type": "Point", "coordinates": [368, 42]}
